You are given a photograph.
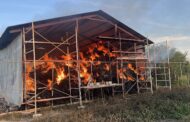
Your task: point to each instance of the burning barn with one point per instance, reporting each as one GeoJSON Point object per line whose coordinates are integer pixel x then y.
{"type": "Point", "coordinates": [55, 59]}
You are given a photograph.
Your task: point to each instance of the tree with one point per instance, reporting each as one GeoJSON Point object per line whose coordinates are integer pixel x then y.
{"type": "Point", "coordinates": [180, 68]}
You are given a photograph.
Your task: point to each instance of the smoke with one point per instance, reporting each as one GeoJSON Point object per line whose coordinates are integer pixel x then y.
{"type": "Point", "coordinates": [160, 52]}
{"type": "Point", "coordinates": [181, 42]}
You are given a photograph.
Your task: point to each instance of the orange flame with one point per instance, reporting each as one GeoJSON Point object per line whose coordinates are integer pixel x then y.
{"type": "Point", "coordinates": [49, 86]}
{"type": "Point", "coordinates": [29, 81]}
{"type": "Point", "coordinates": [60, 72]}
{"type": "Point", "coordinates": [106, 67]}
{"type": "Point", "coordinates": [97, 63]}
{"type": "Point", "coordinates": [121, 74]}
{"type": "Point", "coordinates": [142, 78]}
{"type": "Point", "coordinates": [48, 64]}
{"type": "Point", "coordinates": [60, 75]}
{"type": "Point", "coordinates": [29, 84]}
{"type": "Point", "coordinates": [67, 58]}
{"type": "Point", "coordinates": [131, 68]}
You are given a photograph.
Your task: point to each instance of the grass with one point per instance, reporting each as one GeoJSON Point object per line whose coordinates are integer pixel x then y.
{"type": "Point", "coordinates": [161, 106]}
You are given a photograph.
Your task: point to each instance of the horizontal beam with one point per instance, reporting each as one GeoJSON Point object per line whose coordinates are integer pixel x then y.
{"type": "Point", "coordinates": [122, 39]}
{"type": "Point", "coordinates": [127, 52]}
{"type": "Point", "coordinates": [50, 99]}
{"type": "Point", "coordinates": [42, 42]}
{"type": "Point", "coordinates": [131, 58]}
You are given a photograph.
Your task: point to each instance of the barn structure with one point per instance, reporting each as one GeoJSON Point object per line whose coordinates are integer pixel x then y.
{"type": "Point", "coordinates": [60, 59]}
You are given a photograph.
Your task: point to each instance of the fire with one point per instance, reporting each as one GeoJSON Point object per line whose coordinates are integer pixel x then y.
{"type": "Point", "coordinates": [29, 84]}
{"type": "Point", "coordinates": [48, 64]}
{"type": "Point", "coordinates": [60, 75]}
{"type": "Point", "coordinates": [103, 49]}
{"type": "Point", "coordinates": [90, 50]}
{"type": "Point", "coordinates": [112, 54]}
{"type": "Point", "coordinates": [92, 57]}
{"type": "Point", "coordinates": [49, 86]}
{"type": "Point", "coordinates": [82, 56]}
{"type": "Point", "coordinates": [128, 77]}
{"type": "Point", "coordinates": [131, 68]}
{"type": "Point", "coordinates": [97, 63]}
{"type": "Point", "coordinates": [106, 67]}
{"type": "Point", "coordinates": [84, 73]}
{"type": "Point", "coordinates": [121, 74]}
{"type": "Point", "coordinates": [86, 77]}
{"type": "Point", "coordinates": [94, 53]}
{"type": "Point", "coordinates": [142, 78]}
{"type": "Point", "coordinates": [67, 58]}
{"type": "Point", "coordinates": [29, 81]}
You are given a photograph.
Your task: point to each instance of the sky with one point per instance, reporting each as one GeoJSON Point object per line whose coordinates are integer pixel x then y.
{"type": "Point", "coordinates": [159, 20]}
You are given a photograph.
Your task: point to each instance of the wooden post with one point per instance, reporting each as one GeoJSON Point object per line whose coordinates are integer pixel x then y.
{"type": "Point", "coordinates": [155, 67]}
{"type": "Point", "coordinates": [78, 64]}
{"type": "Point", "coordinates": [150, 70]}
{"type": "Point", "coordinates": [168, 53]}
{"type": "Point", "coordinates": [34, 66]}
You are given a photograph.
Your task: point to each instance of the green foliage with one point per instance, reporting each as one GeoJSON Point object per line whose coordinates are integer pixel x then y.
{"type": "Point", "coordinates": [183, 80]}
{"type": "Point", "coordinates": [179, 71]}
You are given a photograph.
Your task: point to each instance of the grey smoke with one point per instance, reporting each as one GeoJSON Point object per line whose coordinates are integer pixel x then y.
{"type": "Point", "coordinates": [161, 53]}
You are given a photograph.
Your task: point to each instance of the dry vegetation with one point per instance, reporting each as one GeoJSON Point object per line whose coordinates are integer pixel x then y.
{"type": "Point", "coordinates": [162, 106]}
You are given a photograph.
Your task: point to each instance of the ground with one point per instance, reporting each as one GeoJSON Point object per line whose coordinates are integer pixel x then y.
{"type": "Point", "coordinates": [162, 106]}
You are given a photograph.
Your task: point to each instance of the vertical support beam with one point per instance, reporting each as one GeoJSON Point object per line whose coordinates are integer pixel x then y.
{"type": "Point", "coordinates": [110, 63]}
{"type": "Point", "coordinates": [180, 73]}
{"type": "Point", "coordinates": [164, 65]}
{"type": "Point", "coordinates": [136, 65]}
{"type": "Point", "coordinates": [68, 68]}
{"type": "Point", "coordinates": [78, 63]}
{"type": "Point", "coordinates": [117, 70]}
{"type": "Point", "coordinates": [155, 67]}
{"type": "Point", "coordinates": [121, 66]}
{"type": "Point", "coordinates": [52, 92]}
{"type": "Point", "coordinates": [117, 62]}
{"type": "Point", "coordinates": [70, 91]}
{"type": "Point", "coordinates": [168, 53]}
{"type": "Point", "coordinates": [150, 70]}
{"type": "Point", "coordinates": [34, 66]}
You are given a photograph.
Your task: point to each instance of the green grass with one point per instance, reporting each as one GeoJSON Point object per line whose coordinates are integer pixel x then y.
{"type": "Point", "coordinates": [161, 106]}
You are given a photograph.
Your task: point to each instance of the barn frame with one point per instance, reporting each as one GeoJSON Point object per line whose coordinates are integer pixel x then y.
{"type": "Point", "coordinates": [69, 35]}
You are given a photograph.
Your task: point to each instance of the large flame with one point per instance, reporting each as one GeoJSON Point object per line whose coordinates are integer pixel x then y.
{"type": "Point", "coordinates": [92, 56]}
{"type": "Point", "coordinates": [29, 81]}
{"type": "Point", "coordinates": [61, 75]}
{"type": "Point", "coordinates": [48, 64]}
{"type": "Point", "coordinates": [122, 75]}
